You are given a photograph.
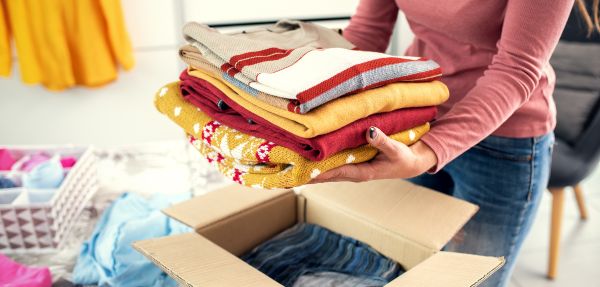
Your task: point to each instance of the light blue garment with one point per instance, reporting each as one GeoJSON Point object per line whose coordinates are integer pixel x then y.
{"type": "Point", "coordinates": [108, 259]}
{"type": "Point", "coordinates": [505, 177]}
{"type": "Point", "coordinates": [48, 174]}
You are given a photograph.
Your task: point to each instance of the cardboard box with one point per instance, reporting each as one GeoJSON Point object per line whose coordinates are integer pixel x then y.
{"type": "Point", "coordinates": [38, 219]}
{"type": "Point", "coordinates": [404, 222]}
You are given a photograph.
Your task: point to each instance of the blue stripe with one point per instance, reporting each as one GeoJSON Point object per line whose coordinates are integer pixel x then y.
{"type": "Point", "coordinates": [239, 84]}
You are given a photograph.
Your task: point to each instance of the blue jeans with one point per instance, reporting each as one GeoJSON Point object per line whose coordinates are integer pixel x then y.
{"type": "Point", "coordinates": [505, 177]}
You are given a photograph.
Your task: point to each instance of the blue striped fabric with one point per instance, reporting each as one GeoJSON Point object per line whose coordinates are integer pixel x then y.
{"type": "Point", "coordinates": [308, 248]}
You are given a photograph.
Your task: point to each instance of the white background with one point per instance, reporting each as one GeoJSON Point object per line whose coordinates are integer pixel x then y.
{"type": "Point", "coordinates": [122, 112]}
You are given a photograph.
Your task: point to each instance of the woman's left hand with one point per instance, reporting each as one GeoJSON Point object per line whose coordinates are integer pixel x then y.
{"type": "Point", "coordinates": [394, 160]}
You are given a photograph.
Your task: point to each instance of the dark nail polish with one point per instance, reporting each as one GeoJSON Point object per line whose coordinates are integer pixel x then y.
{"type": "Point", "coordinates": [222, 105]}
{"type": "Point", "coordinates": [372, 133]}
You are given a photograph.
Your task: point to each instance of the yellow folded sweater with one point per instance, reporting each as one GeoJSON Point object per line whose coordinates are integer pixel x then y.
{"type": "Point", "coordinates": [335, 114]}
{"type": "Point", "coordinates": [252, 161]}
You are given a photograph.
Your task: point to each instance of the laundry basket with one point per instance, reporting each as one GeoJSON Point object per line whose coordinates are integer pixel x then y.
{"type": "Point", "coordinates": [44, 219]}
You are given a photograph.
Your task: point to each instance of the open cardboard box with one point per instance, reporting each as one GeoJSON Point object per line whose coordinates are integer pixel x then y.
{"type": "Point", "coordinates": [403, 221]}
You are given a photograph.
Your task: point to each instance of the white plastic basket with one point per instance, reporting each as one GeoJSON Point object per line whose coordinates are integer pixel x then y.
{"type": "Point", "coordinates": [43, 225]}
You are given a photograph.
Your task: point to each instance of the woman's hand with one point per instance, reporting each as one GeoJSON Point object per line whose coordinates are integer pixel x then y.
{"type": "Point", "coordinates": [394, 160]}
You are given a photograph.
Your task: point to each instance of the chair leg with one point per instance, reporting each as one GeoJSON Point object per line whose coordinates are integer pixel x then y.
{"type": "Point", "coordinates": [580, 202]}
{"type": "Point", "coordinates": [558, 195]}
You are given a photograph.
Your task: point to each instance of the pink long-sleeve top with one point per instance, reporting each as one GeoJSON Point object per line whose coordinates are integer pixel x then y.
{"type": "Point", "coordinates": [494, 56]}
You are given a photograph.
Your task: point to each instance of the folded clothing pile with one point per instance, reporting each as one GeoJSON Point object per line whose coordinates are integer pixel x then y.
{"type": "Point", "coordinates": [274, 107]}
{"type": "Point", "coordinates": [310, 255]}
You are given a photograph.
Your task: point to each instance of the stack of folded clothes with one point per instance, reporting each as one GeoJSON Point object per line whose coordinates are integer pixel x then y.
{"type": "Point", "coordinates": [274, 107]}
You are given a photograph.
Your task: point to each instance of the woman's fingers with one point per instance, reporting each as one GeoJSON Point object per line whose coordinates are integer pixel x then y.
{"type": "Point", "coordinates": [395, 159]}
{"type": "Point", "coordinates": [391, 148]}
{"type": "Point", "coordinates": [350, 172]}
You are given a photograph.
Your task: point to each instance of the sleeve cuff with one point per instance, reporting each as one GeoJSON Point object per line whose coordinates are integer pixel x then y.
{"type": "Point", "coordinates": [438, 149]}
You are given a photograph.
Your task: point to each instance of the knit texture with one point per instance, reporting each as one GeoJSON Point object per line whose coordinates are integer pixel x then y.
{"type": "Point", "coordinates": [253, 161]}
{"type": "Point", "coordinates": [218, 106]}
{"type": "Point", "coordinates": [306, 74]}
{"type": "Point", "coordinates": [191, 56]}
{"type": "Point", "coordinates": [308, 249]}
{"type": "Point", "coordinates": [335, 114]}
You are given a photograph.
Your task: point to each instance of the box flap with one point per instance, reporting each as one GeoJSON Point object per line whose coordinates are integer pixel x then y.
{"type": "Point", "coordinates": [241, 232]}
{"type": "Point", "coordinates": [217, 205]}
{"type": "Point", "coordinates": [193, 260]}
{"type": "Point", "coordinates": [449, 269]}
{"type": "Point", "coordinates": [416, 213]}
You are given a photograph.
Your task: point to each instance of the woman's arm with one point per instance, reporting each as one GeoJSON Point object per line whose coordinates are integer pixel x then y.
{"type": "Point", "coordinates": [530, 33]}
{"type": "Point", "coordinates": [371, 26]}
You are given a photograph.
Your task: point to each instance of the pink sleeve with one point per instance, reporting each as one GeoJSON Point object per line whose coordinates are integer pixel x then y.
{"type": "Point", "coordinates": [529, 35]}
{"type": "Point", "coordinates": [371, 26]}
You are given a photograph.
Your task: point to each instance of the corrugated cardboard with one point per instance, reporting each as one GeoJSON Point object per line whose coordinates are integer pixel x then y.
{"type": "Point", "coordinates": [193, 260]}
{"type": "Point", "coordinates": [395, 217]}
{"type": "Point", "coordinates": [407, 223]}
{"type": "Point", "coordinates": [235, 217]}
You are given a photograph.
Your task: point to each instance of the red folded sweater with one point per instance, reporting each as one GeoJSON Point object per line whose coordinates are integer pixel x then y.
{"type": "Point", "coordinates": [218, 106]}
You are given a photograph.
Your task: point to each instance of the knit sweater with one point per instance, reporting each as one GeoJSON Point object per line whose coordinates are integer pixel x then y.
{"type": "Point", "coordinates": [64, 43]}
{"type": "Point", "coordinates": [253, 161]}
{"type": "Point", "coordinates": [191, 56]}
{"type": "Point", "coordinates": [306, 74]}
{"type": "Point", "coordinates": [218, 106]}
{"type": "Point", "coordinates": [335, 114]}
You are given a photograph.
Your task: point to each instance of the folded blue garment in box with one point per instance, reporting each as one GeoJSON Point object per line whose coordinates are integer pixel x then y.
{"type": "Point", "coordinates": [310, 249]}
{"type": "Point", "coordinates": [107, 258]}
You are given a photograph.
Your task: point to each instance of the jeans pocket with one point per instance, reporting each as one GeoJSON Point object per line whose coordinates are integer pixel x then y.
{"type": "Point", "coordinates": [502, 153]}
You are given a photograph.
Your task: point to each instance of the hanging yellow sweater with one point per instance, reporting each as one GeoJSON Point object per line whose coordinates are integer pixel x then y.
{"type": "Point", "coordinates": [5, 56]}
{"type": "Point", "coordinates": [253, 161]}
{"type": "Point", "coordinates": [62, 43]}
{"type": "Point", "coordinates": [335, 114]}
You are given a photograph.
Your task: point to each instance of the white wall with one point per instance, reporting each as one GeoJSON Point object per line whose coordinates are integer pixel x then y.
{"type": "Point", "coordinates": [122, 112]}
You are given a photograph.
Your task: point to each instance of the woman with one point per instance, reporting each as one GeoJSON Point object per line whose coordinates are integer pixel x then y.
{"type": "Point", "coordinates": [492, 143]}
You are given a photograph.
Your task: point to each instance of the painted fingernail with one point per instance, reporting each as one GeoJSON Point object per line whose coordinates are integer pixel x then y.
{"type": "Point", "coordinates": [372, 133]}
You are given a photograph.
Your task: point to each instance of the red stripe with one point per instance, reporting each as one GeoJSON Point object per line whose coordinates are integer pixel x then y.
{"type": "Point", "coordinates": [229, 70]}
{"type": "Point", "coordinates": [353, 71]}
{"type": "Point", "coordinates": [247, 55]}
{"type": "Point", "coordinates": [232, 71]}
{"type": "Point", "coordinates": [225, 67]}
{"type": "Point", "coordinates": [253, 61]}
{"type": "Point", "coordinates": [291, 107]}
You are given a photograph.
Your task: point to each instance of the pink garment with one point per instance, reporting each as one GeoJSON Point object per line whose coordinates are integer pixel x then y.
{"type": "Point", "coordinates": [68, 162]}
{"type": "Point", "coordinates": [17, 275]}
{"type": "Point", "coordinates": [494, 56]}
{"type": "Point", "coordinates": [33, 160]}
{"type": "Point", "coordinates": [6, 159]}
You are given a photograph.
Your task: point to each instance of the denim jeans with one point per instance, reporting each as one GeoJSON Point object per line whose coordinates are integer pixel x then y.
{"type": "Point", "coordinates": [505, 177]}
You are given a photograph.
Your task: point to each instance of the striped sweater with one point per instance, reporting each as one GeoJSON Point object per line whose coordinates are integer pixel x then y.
{"type": "Point", "coordinates": [307, 75]}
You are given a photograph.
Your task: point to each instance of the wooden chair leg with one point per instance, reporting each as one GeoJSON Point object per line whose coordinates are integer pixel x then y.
{"type": "Point", "coordinates": [558, 195]}
{"type": "Point", "coordinates": [580, 202]}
